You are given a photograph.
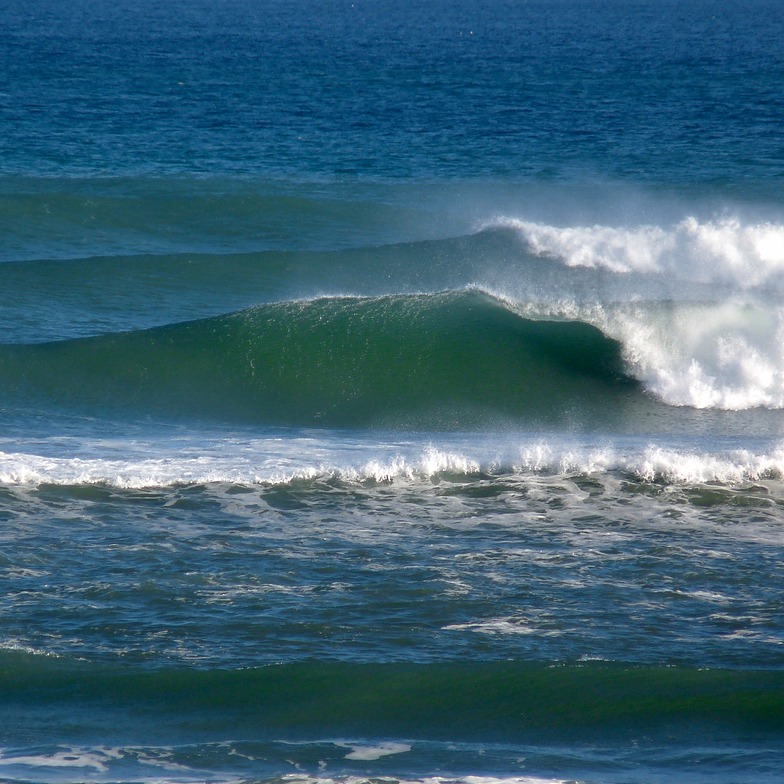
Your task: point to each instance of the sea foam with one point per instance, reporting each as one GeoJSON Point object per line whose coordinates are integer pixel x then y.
{"type": "Point", "coordinates": [257, 463]}
{"type": "Point", "coordinates": [723, 350]}
{"type": "Point", "coordinates": [728, 355]}
{"type": "Point", "coordinates": [726, 250]}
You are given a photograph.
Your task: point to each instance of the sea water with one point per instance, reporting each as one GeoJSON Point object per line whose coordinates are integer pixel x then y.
{"type": "Point", "coordinates": [391, 391]}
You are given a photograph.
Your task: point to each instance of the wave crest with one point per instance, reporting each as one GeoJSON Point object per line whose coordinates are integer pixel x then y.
{"type": "Point", "coordinates": [725, 251]}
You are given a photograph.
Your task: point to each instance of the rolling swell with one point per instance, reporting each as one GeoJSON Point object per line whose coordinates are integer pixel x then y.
{"type": "Point", "coordinates": [446, 360]}
{"type": "Point", "coordinates": [481, 701]}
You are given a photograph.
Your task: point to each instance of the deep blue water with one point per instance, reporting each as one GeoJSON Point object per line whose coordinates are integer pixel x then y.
{"type": "Point", "coordinates": [391, 391]}
{"type": "Point", "coordinates": [665, 92]}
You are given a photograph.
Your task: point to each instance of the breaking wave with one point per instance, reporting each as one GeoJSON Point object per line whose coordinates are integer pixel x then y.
{"type": "Point", "coordinates": [443, 360]}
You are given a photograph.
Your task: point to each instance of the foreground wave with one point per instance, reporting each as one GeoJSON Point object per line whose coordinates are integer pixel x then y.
{"type": "Point", "coordinates": [324, 723]}
{"type": "Point", "coordinates": [491, 701]}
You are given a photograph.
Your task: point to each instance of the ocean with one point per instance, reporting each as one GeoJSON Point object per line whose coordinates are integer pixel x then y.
{"type": "Point", "coordinates": [391, 392]}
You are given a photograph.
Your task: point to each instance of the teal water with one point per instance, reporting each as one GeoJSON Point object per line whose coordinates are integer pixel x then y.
{"type": "Point", "coordinates": [391, 392]}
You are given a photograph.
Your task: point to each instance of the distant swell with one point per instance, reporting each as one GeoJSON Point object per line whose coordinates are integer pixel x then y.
{"type": "Point", "coordinates": [445, 360]}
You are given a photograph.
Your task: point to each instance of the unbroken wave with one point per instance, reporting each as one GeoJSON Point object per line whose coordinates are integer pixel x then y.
{"type": "Point", "coordinates": [507, 701]}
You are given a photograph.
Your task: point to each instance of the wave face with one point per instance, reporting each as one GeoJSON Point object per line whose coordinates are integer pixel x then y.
{"type": "Point", "coordinates": [505, 700]}
{"type": "Point", "coordinates": [449, 359]}
{"type": "Point", "coordinates": [444, 360]}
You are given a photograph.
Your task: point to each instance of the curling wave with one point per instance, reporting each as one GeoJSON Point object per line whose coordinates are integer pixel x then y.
{"type": "Point", "coordinates": [445, 360]}
{"type": "Point", "coordinates": [696, 304]}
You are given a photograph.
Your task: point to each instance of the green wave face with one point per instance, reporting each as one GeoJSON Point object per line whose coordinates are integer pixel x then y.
{"type": "Point", "coordinates": [446, 360]}
{"type": "Point", "coordinates": [482, 701]}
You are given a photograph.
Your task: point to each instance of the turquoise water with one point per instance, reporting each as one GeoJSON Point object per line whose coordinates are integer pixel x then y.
{"type": "Point", "coordinates": [391, 392]}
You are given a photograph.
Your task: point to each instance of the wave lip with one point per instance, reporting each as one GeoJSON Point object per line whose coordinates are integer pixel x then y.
{"type": "Point", "coordinates": [724, 356]}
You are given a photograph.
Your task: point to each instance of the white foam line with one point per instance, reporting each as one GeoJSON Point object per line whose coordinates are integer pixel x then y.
{"type": "Point", "coordinates": [94, 759]}
{"type": "Point", "coordinates": [296, 778]}
{"type": "Point", "coordinates": [368, 753]}
{"type": "Point", "coordinates": [648, 462]}
{"type": "Point", "coordinates": [723, 250]}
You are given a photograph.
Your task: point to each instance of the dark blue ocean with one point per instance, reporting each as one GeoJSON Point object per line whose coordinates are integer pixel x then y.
{"type": "Point", "coordinates": [391, 392]}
